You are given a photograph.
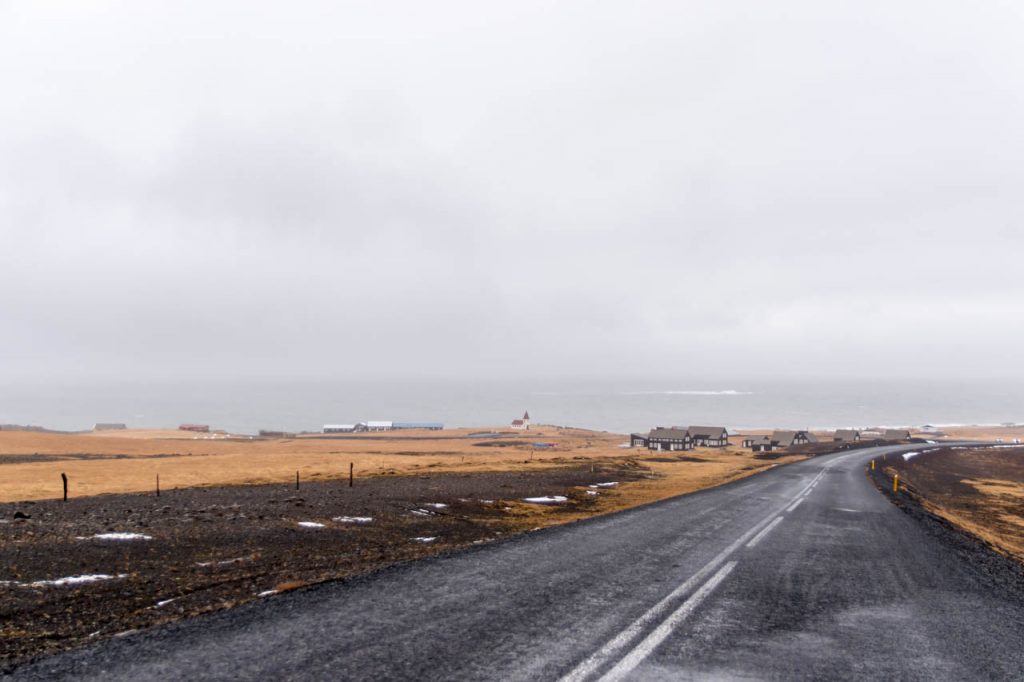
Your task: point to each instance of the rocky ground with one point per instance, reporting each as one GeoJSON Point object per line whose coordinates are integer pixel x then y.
{"type": "Point", "coordinates": [72, 572]}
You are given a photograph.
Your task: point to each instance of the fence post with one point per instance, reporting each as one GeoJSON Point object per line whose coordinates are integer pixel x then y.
{"type": "Point", "coordinates": [296, 480]}
{"type": "Point", "coordinates": [158, 485]}
{"type": "Point", "coordinates": [350, 474]}
{"type": "Point", "coordinates": [64, 479]}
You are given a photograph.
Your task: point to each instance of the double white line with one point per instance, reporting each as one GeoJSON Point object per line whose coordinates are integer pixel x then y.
{"type": "Point", "coordinates": [630, 660]}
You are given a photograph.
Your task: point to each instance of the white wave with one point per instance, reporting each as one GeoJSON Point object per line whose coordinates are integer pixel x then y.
{"type": "Point", "coordinates": [725, 392]}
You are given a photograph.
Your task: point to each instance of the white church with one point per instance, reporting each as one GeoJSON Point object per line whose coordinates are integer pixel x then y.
{"type": "Point", "coordinates": [522, 424]}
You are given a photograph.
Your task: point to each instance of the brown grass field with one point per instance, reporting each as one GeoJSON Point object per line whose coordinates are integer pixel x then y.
{"type": "Point", "coordinates": [129, 461]}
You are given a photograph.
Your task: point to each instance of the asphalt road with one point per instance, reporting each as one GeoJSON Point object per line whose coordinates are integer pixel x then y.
{"type": "Point", "coordinates": [803, 572]}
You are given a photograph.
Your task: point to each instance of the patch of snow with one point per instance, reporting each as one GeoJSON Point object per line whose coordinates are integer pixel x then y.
{"type": "Point", "coordinates": [121, 536]}
{"type": "Point", "coordinates": [422, 512]}
{"type": "Point", "coordinates": [222, 563]}
{"type": "Point", "coordinates": [435, 505]}
{"type": "Point", "coordinates": [907, 456]}
{"type": "Point", "coordinates": [425, 539]}
{"type": "Point", "coordinates": [609, 484]}
{"type": "Point", "coordinates": [310, 524]}
{"type": "Point", "coordinates": [266, 593]}
{"type": "Point", "coordinates": [353, 519]}
{"type": "Point", "coordinates": [593, 492]}
{"type": "Point", "coordinates": [165, 602]}
{"type": "Point", "coordinates": [70, 580]}
{"type": "Point", "coordinates": [549, 499]}
{"type": "Point", "coordinates": [486, 501]}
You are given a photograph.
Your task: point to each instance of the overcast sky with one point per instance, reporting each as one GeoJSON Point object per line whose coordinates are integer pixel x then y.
{"type": "Point", "coordinates": [518, 189]}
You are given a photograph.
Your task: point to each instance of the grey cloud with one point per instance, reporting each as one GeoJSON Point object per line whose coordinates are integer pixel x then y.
{"type": "Point", "coordinates": [580, 189]}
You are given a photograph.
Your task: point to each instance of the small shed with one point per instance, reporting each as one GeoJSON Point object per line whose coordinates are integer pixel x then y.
{"type": "Point", "coordinates": [846, 436]}
{"type": "Point", "coordinates": [758, 443]}
{"type": "Point", "coordinates": [896, 435]}
{"type": "Point", "coordinates": [638, 440]}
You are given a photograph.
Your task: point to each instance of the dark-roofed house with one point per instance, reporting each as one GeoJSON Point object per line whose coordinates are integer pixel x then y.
{"type": "Point", "coordinates": [758, 443]}
{"type": "Point", "coordinates": [709, 436]}
{"type": "Point", "coordinates": [896, 434]}
{"type": "Point", "coordinates": [846, 436]}
{"type": "Point", "coordinates": [785, 439]}
{"type": "Point", "coordinates": [669, 439]}
{"type": "Point", "coordinates": [637, 440]}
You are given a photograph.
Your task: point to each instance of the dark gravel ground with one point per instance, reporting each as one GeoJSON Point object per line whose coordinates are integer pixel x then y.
{"type": "Point", "coordinates": [213, 548]}
{"type": "Point", "coordinates": [1002, 570]}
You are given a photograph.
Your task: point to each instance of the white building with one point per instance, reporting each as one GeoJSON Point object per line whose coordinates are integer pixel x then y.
{"type": "Point", "coordinates": [522, 424]}
{"type": "Point", "coordinates": [340, 428]}
{"type": "Point", "coordinates": [379, 426]}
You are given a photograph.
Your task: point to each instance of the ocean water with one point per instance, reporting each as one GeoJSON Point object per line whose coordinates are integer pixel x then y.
{"type": "Point", "coordinates": [246, 407]}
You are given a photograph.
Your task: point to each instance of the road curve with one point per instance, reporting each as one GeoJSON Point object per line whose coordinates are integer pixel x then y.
{"type": "Point", "coordinates": [803, 572]}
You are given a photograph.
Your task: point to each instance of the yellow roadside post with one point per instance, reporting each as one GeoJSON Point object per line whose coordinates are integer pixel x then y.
{"type": "Point", "coordinates": [872, 465]}
{"type": "Point", "coordinates": [896, 483]}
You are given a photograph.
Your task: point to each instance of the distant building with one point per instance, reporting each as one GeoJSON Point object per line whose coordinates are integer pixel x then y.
{"type": "Point", "coordinates": [896, 434]}
{"type": "Point", "coordinates": [786, 439]}
{"type": "Point", "coordinates": [758, 443]}
{"type": "Point", "coordinates": [522, 424]}
{"type": "Point", "coordinates": [109, 427]}
{"type": "Point", "coordinates": [198, 428]}
{"type": "Point", "coordinates": [379, 426]}
{"type": "Point", "coordinates": [669, 439]}
{"type": "Point", "coordinates": [709, 436]}
{"type": "Point", "coordinates": [638, 440]}
{"type": "Point", "coordinates": [429, 426]}
{"type": "Point", "coordinates": [340, 428]}
{"type": "Point", "coordinates": [846, 436]}
{"type": "Point", "coordinates": [276, 434]}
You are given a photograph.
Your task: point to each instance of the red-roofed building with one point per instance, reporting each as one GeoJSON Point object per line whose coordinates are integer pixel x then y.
{"type": "Point", "coordinates": [522, 424]}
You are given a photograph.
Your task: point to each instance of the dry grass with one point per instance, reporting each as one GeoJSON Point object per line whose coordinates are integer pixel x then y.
{"type": "Point", "coordinates": [184, 462]}
{"type": "Point", "coordinates": [990, 433]}
{"type": "Point", "coordinates": [980, 490]}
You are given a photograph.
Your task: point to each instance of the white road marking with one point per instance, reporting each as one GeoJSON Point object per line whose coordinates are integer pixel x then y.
{"type": "Point", "coordinates": [795, 505]}
{"type": "Point", "coordinates": [611, 650]}
{"type": "Point", "coordinates": [649, 643]}
{"type": "Point", "coordinates": [760, 536]}
{"type": "Point", "coordinates": [618, 643]}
